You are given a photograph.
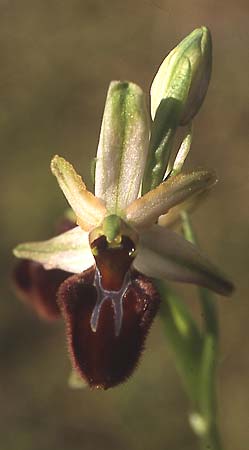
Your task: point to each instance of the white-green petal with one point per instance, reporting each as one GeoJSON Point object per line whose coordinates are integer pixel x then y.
{"type": "Point", "coordinates": [88, 209]}
{"type": "Point", "coordinates": [123, 146]}
{"type": "Point", "coordinates": [164, 254]}
{"type": "Point", "coordinates": [146, 210]}
{"type": "Point", "coordinates": [69, 251]}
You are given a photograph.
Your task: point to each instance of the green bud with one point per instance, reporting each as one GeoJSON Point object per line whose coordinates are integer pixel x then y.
{"type": "Point", "coordinates": [166, 122]}
{"type": "Point", "coordinates": [197, 48]}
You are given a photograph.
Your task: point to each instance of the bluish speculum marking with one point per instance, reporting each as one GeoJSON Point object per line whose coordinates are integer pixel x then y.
{"type": "Point", "coordinates": [112, 277]}
{"type": "Point", "coordinates": [116, 297]}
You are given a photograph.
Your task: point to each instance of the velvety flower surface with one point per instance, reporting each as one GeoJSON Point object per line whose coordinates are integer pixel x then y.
{"type": "Point", "coordinates": [122, 240]}
{"type": "Point", "coordinates": [103, 354]}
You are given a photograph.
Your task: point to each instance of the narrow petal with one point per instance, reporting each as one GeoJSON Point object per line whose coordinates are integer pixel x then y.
{"type": "Point", "coordinates": [89, 210]}
{"type": "Point", "coordinates": [145, 211]}
{"type": "Point", "coordinates": [165, 254]}
{"type": "Point", "coordinates": [69, 251]}
{"type": "Point", "coordinates": [182, 152]}
{"type": "Point", "coordinates": [123, 146]}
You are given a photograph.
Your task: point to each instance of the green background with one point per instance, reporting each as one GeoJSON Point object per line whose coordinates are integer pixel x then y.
{"type": "Point", "coordinates": [57, 59]}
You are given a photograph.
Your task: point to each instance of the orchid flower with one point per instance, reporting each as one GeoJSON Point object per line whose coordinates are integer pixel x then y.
{"type": "Point", "coordinates": [123, 240]}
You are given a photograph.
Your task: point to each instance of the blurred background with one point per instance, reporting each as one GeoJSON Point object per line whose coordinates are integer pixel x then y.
{"type": "Point", "coordinates": [57, 59]}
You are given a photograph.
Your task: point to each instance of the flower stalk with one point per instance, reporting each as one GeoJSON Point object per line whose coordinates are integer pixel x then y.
{"type": "Point", "coordinates": [195, 353]}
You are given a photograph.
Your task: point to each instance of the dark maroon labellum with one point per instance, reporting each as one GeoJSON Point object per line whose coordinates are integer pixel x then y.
{"type": "Point", "coordinates": [108, 310]}
{"type": "Point", "coordinates": [38, 287]}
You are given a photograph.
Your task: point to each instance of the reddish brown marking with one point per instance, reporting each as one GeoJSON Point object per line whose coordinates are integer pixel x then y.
{"type": "Point", "coordinates": [113, 263]}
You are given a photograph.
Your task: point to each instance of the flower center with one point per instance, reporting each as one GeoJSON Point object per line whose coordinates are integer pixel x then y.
{"type": "Point", "coordinates": [112, 276]}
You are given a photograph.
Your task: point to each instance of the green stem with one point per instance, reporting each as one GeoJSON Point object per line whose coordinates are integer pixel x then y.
{"type": "Point", "coordinates": [184, 338]}
{"type": "Point", "coordinates": [206, 298]}
{"type": "Point", "coordinates": [209, 434]}
{"type": "Point", "coordinates": [211, 441]}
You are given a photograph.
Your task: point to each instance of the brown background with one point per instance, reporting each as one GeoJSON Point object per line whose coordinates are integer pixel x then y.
{"type": "Point", "coordinates": [56, 60]}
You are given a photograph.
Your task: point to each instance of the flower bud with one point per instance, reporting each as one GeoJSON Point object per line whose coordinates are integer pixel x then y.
{"type": "Point", "coordinates": [197, 48]}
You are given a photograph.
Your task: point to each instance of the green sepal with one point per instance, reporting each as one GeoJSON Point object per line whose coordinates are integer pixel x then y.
{"type": "Point", "coordinates": [69, 251]}
{"type": "Point", "coordinates": [165, 254]}
{"type": "Point", "coordinates": [123, 146]}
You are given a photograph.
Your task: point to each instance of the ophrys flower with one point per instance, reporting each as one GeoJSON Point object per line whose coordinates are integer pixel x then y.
{"type": "Point", "coordinates": [122, 240]}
